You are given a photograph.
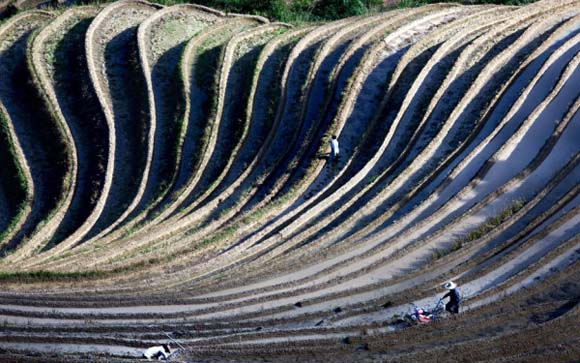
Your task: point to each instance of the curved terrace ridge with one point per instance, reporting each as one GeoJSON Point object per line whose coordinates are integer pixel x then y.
{"type": "Point", "coordinates": [167, 177]}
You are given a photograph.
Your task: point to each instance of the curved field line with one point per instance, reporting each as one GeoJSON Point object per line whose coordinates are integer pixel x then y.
{"type": "Point", "coordinates": [367, 168]}
{"type": "Point", "coordinates": [42, 80]}
{"type": "Point", "coordinates": [295, 53]}
{"type": "Point", "coordinates": [25, 171]}
{"type": "Point", "coordinates": [251, 168]}
{"type": "Point", "coordinates": [344, 58]}
{"type": "Point", "coordinates": [240, 24]}
{"type": "Point", "coordinates": [192, 181]}
{"type": "Point", "coordinates": [360, 73]}
{"type": "Point", "coordinates": [310, 77]}
{"type": "Point", "coordinates": [400, 177]}
{"type": "Point", "coordinates": [405, 236]}
{"type": "Point", "coordinates": [234, 24]}
{"type": "Point", "coordinates": [318, 179]}
{"type": "Point", "coordinates": [157, 77]}
{"type": "Point", "coordinates": [303, 44]}
{"type": "Point", "coordinates": [227, 60]}
{"type": "Point", "coordinates": [315, 166]}
{"type": "Point", "coordinates": [208, 206]}
{"type": "Point", "coordinates": [471, 261]}
{"type": "Point", "coordinates": [427, 223]}
{"type": "Point", "coordinates": [471, 109]}
{"type": "Point", "coordinates": [453, 174]}
{"type": "Point", "coordinates": [392, 129]}
{"type": "Point", "coordinates": [321, 55]}
{"type": "Point", "coordinates": [203, 15]}
{"type": "Point", "coordinates": [107, 309]}
{"type": "Point", "coordinates": [198, 314]}
{"type": "Point", "coordinates": [312, 202]}
{"type": "Point", "coordinates": [513, 110]}
{"type": "Point", "coordinates": [265, 54]}
{"type": "Point", "coordinates": [455, 109]}
{"type": "Point", "coordinates": [320, 303]}
{"type": "Point", "coordinates": [215, 260]}
{"type": "Point", "coordinates": [105, 102]}
{"type": "Point", "coordinates": [467, 253]}
{"type": "Point", "coordinates": [229, 55]}
{"type": "Point", "coordinates": [255, 297]}
{"type": "Point", "coordinates": [298, 49]}
{"type": "Point", "coordinates": [183, 195]}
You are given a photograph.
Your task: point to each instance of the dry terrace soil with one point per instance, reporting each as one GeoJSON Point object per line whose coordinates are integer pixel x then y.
{"type": "Point", "coordinates": [167, 178]}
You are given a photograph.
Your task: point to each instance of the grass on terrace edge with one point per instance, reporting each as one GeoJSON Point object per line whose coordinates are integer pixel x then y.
{"type": "Point", "coordinates": [490, 224]}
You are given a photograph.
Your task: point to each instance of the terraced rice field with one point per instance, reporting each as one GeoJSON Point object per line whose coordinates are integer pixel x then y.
{"type": "Point", "coordinates": [166, 178]}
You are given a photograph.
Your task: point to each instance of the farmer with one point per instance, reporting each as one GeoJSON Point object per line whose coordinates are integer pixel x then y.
{"type": "Point", "coordinates": [160, 351]}
{"type": "Point", "coordinates": [454, 298]}
{"type": "Point", "coordinates": [334, 147]}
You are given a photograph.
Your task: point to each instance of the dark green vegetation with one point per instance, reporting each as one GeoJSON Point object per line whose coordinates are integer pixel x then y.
{"type": "Point", "coordinates": [458, 161]}
{"type": "Point", "coordinates": [321, 10]}
{"type": "Point", "coordinates": [489, 225]}
{"type": "Point", "coordinates": [414, 3]}
{"type": "Point", "coordinates": [300, 11]}
{"type": "Point", "coordinates": [44, 276]}
{"type": "Point", "coordinates": [291, 11]}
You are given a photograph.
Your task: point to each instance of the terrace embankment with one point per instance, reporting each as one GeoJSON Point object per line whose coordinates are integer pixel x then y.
{"type": "Point", "coordinates": [25, 164]}
{"type": "Point", "coordinates": [166, 178]}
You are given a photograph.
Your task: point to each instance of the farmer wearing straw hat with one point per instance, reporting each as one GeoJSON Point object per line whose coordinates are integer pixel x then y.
{"type": "Point", "coordinates": [454, 298]}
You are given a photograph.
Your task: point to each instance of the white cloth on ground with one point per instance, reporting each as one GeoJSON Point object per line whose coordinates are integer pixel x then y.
{"type": "Point", "coordinates": [156, 352]}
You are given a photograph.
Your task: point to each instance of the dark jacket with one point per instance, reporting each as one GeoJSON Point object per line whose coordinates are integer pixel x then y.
{"type": "Point", "coordinates": [454, 297]}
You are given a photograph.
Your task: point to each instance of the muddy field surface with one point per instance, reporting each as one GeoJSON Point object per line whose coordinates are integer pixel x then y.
{"type": "Point", "coordinates": [176, 185]}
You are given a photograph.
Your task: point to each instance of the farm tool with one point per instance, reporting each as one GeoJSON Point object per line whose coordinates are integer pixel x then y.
{"type": "Point", "coordinates": [420, 315]}
{"type": "Point", "coordinates": [176, 351]}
